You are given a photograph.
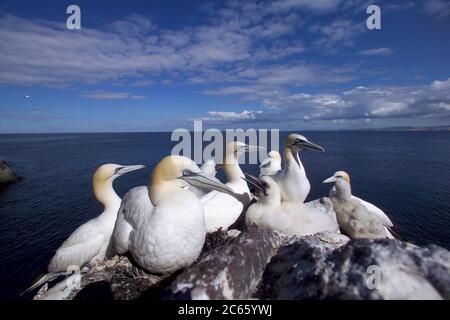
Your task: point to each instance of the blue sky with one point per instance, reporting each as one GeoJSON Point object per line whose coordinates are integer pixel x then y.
{"type": "Point", "coordinates": [157, 66]}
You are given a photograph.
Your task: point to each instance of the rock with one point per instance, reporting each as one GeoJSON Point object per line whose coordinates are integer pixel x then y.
{"type": "Point", "coordinates": [256, 263]}
{"type": "Point", "coordinates": [231, 271]}
{"type": "Point", "coordinates": [7, 176]}
{"type": "Point", "coordinates": [116, 279]}
{"type": "Point", "coordinates": [359, 269]}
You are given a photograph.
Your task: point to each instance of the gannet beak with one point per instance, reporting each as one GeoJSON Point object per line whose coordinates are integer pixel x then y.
{"type": "Point", "coordinates": [330, 180]}
{"type": "Point", "coordinates": [201, 181]}
{"type": "Point", "coordinates": [306, 145]}
{"type": "Point", "coordinates": [126, 169]}
{"type": "Point", "coordinates": [251, 148]}
{"type": "Point", "coordinates": [255, 182]}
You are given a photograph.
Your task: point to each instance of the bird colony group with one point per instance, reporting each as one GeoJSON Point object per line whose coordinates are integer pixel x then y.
{"type": "Point", "coordinates": [163, 226]}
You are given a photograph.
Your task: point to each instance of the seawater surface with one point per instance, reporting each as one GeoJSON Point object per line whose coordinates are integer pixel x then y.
{"type": "Point", "coordinates": [407, 174]}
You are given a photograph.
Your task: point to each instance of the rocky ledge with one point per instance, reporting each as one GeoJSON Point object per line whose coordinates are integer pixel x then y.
{"type": "Point", "coordinates": [7, 176]}
{"type": "Point", "coordinates": [260, 264]}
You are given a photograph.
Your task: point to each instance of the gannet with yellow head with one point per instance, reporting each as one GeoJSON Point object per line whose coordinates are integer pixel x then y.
{"type": "Point", "coordinates": [287, 218]}
{"type": "Point", "coordinates": [271, 165]}
{"type": "Point", "coordinates": [88, 244]}
{"type": "Point", "coordinates": [292, 181]}
{"type": "Point", "coordinates": [163, 227]}
{"type": "Point", "coordinates": [356, 217]}
{"type": "Point", "coordinates": [221, 209]}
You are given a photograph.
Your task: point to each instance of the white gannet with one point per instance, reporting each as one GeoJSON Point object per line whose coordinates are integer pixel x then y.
{"type": "Point", "coordinates": [271, 165]}
{"type": "Point", "coordinates": [164, 228]}
{"type": "Point", "coordinates": [88, 244]}
{"type": "Point", "coordinates": [209, 168]}
{"type": "Point", "coordinates": [292, 181]}
{"type": "Point", "coordinates": [222, 210]}
{"type": "Point", "coordinates": [356, 217]}
{"type": "Point", "coordinates": [288, 218]}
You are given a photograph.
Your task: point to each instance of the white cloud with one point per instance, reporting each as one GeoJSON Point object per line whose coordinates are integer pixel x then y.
{"type": "Point", "coordinates": [376, 52]}
{"type": "Point", "coordinates": [440, 85]}
{"type": "Point", "coordinates": [231, 115]}
{"type": "Point", "coordinates": [111, 95]}
{"type": "Point", "coordinates": [356, 104]}
{"type": "Point", "coordinates": [341, 32]}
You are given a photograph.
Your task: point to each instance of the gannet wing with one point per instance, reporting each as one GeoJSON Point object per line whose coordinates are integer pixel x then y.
{"type": "Point", "coordinates": [79, 249]}
{"type": "Point", "coordinates": [384, 219]}
{"type": "Point", "coordinates": [135, 206]}
{"type": "Point", "coordinates": [221, 210]}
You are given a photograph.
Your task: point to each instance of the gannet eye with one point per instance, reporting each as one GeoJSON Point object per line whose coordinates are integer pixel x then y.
{"type": "Point", "coordinates": [187, 172]}
{"type": "Point", "coordinates": [297, 140]}
{"type": "Point", "coordinates": [117, 170]}
{"type": "Point", "coordinates": [339, 177]}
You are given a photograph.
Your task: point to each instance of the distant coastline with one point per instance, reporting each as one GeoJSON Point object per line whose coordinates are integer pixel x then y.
{"type": "Point", "coordinates": [389, 129]}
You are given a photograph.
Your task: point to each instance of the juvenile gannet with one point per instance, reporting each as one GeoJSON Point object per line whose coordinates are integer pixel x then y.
{"type": "Point", "coordinates": [271, 165]}
{"type": "Point", "coordinates": [164, 228]}
{"type": "Point", "coordinates": [356, 217]}
{"type": "Point", "coordinates": [292, 181]}
{"type": "Point", "coordinates": [221, 209]}
{"type": "Point", "coordinates": [288, 218]}
{"type": "Point", "coordinates": [87, 245]}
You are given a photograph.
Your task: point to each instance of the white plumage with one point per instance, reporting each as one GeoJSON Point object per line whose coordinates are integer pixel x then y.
{"type": "Point", "coordinates": [292, 180]}
{"type": "Point", "coordinates": [222, 210]}
{"type": "Point", "coordinates": [88, 244]}
{"type": "Point", "coordinates": [287, 218]}
{"type": "Point", "coordinates": [164, 227]}
{"type": "Point", "coordinates": [271, 165]}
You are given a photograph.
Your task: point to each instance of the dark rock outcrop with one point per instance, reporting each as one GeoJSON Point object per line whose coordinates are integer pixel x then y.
{"type": "Point", "coordinates": [261, 264]}
{"type": "Point", "coordinates": [230, 271]}
{"type": "Point", "coordinates": [7, 176]}
{"type": "Point", "coordinates": [360, 269]}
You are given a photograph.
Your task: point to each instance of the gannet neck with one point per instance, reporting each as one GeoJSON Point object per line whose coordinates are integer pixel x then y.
{"type": "Point", "coordinates": [231, 167]}
{"type": "Point", "coordinates": [161, 189]}
{"type": "Point", "coordinates": [292, 160]}
{"type": "Point", "coordinates": [105, 194]}
{"type": "Point", "coordinates": [343, 190]}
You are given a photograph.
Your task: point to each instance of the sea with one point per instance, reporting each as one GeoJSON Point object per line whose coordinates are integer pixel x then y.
{"type": "Point", "coordinates": [406, 174]}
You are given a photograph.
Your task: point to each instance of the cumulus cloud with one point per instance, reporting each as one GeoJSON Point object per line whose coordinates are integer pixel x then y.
{"type": "Point", "coordinates": [376, 52]}
{"type": "Point", "coordinates": [360, 103]}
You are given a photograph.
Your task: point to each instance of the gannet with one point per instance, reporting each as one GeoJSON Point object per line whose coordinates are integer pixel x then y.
{"type": "Point", "coordinates": [221, 209]}
{"type": "Point", "coordinates": [271, 165]}
{"type": "Point", "coordinates": [288, 218]}
{"type": "Point", "coordinates": [209, 168]}
{"type": "Point", "coordinates": [88, 244]}
{"type": "Point", "coordinates": [356, 217]}
{"type": "Point", "coordinates": [164, 228]}
{"type": "Point", "coordinates": [292, 181]}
